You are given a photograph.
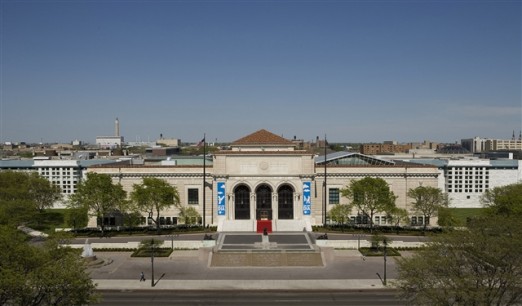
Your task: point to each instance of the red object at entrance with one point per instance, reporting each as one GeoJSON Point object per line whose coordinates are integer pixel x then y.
{"type": "Point", "coordinates": [262, 224]}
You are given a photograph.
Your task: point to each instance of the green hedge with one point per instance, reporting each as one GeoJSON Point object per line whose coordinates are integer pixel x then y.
{"type": "Point", "coordinates": [379, 252]}
{"type": "Point", "coordinates": [126, 231]}
{"type": "Point", "coordinates": [146, 252]}
{"type": "Point", "coordinates": [403, 230]}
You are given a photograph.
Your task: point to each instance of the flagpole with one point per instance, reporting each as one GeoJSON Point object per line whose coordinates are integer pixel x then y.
{"type": "Point", "coordinates": [204, 175]}
{"type": "Point", "coordinates": [325, 189]}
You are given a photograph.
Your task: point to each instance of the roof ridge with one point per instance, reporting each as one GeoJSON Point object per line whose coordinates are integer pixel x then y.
{"type": "Point", "coordinates": [262, 137]}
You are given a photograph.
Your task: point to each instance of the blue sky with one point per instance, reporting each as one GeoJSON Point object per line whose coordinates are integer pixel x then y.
{"type": "Point", "coordinates": [357, 71]}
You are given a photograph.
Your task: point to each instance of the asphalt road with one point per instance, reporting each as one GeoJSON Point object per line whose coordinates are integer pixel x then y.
{"type": "Point", "coordinates": [302, 298]}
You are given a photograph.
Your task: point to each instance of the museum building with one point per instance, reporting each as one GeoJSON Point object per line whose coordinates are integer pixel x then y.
{"type": "Point", "coordinates": [264, 181]}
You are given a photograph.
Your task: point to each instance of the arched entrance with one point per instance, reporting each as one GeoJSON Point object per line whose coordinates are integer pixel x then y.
{"type": "Point", "coordinates": [242, 202]}
{"type": "Point", "coordinates": [285, 202]}
{"type": "Point", "coordinates": [264, 202]}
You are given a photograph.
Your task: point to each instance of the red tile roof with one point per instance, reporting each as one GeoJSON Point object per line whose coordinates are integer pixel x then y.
{"type": "Point", "coordinates": [262, 137]}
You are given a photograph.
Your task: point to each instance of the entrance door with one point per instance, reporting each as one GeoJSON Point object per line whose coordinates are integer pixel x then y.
{"type": "Point", "coordinates": [264, 202]}
{"type": "Point", "coordinates": [285, 202]}
{"type": "Point", "coordinates": [242, 202]}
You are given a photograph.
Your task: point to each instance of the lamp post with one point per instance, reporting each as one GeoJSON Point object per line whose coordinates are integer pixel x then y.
{"type": "Point", "coordinates": [152, 263]}
{"type": "Point", "coordinates": [172, 236]}
{"type": "Point", "coordinates": [385, 242]}
{"type": "Point", "coordinates": [358, 240]}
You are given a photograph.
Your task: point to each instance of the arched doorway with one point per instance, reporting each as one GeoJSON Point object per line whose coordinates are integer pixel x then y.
{"type": "Point", "coordinates": [285, 202]}
{"type": "Point", "coordinates": [264, 202]}
{"type": "Point", "coordinates": [242, 202]}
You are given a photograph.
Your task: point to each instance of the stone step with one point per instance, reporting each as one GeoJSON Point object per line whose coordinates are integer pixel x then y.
{"type": "Point", "coordinates": [266, 259]}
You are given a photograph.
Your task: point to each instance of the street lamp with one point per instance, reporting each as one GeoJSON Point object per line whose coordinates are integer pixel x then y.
{"type": "Point", "coordinates": [385, 243]}
{"type": "Point", "coordinates": [152, 263]}
{"type": "Point", "coordinates": [172, 236]}
{"type": "Point", "coordinates": [358, 240]}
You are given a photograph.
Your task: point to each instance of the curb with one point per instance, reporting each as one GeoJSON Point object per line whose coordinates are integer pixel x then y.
{"type": "Point", "coordinates": [312, 284]}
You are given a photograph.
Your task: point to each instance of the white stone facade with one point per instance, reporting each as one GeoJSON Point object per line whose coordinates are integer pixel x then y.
{"type": "Point", "coordinates": [63, 173]}
{"type": "Point", "coordinates": [269, 184]}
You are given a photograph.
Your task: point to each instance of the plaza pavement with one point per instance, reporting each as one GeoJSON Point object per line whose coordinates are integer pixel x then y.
{"type": "Point", "coordinates": [191, 270]}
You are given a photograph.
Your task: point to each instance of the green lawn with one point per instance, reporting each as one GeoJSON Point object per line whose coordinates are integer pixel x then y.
{"type": "Point", "coordinates": [461, 214]}
{"type": "Point", "coordinates": [48, 220]}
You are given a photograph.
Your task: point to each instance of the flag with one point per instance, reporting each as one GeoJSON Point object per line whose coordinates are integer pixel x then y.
{"type": "Point", "coordinates": [202, 142]}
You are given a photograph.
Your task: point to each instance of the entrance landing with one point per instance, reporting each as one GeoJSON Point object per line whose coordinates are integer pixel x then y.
{"type": "Point", "coordinates": [276, 249]}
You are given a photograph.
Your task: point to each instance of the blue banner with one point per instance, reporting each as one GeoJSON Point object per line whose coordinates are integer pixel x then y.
{"type": "Point", "coordinates": [221, 198]}
{"type": "Point", "coordinates": [307, 200]}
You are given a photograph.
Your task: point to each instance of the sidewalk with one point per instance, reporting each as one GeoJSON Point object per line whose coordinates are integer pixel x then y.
{"type": "Point", "coordinates": [190, 270]}
{"type": "Point", "coordinates": [268, 284]}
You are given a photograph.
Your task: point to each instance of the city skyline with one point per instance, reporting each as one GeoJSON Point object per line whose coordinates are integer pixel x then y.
{"type": "Point", "coordinates": [355, 71]}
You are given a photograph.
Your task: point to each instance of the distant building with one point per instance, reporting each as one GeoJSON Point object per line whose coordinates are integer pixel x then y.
{"type": "Point", "coordinates": [466, 179]}
{"type": "Point", "coordinates": [388, 147]}
{"type": "Point", "coordinates": [65, 174]}
{"type": "Point", "coordinates": [169, 142]}
{"type": "Point", "coordinates": [474, 145]}
{"type": "Point", "coordinates": [503, 145]}
{"type": "Point", "coordinates": [109, 142]}
{"type": "Point", "coordinates": [479, 145]}
{"type": "Point", "coordinates": [161, 151]}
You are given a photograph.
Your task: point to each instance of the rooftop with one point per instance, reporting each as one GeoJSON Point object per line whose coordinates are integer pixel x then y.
{"type": "Point", "coordinates": [262, 137]}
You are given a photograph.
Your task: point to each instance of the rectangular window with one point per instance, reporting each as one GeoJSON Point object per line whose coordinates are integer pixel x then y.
{"type": "Point", "coordinates": [333, 195]}
{"type": "Point", "coordinates": [413, 220]}
{"type": "Point", "coordinates": [193, 196]}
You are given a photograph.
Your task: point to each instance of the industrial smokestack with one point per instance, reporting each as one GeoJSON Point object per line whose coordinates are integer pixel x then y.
{"type": "Point", "coordinates": [117, 127]}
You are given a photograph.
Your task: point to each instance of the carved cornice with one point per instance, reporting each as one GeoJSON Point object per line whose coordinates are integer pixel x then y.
{"type": "Point", "coordinates": [433, 175]}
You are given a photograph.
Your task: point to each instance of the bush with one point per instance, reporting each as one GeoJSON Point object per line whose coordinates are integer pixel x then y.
{"type": "Point", "coordinates": [384, 229]}
{"type": "Point", "coordinates": [143, 230]}
{"type": "Point", "coordinates": [379, 252]}
{"type": "Point", "coordinates": [147, 252]}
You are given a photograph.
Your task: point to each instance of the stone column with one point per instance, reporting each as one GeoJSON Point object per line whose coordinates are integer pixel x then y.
{"type": "Point", "coordinates": [298, 211]}
{"type": "Point", "coordinates": [253, 206]}
{"type": "Point", "coordinates": [275, 206]}
{"type": "Point", "coordinates": [231, 206]}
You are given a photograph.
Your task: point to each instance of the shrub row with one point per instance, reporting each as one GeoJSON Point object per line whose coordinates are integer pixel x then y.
{"type": "Point", "coordinates": [123, 231]}
{"type": "Point", "coordinates": [385, 229]}
{"type": "Point", "coordinates": [146, 252]}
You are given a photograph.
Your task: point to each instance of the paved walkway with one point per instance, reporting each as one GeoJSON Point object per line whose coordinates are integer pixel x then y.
{"type": "Point", "coordinates": [190, 270]}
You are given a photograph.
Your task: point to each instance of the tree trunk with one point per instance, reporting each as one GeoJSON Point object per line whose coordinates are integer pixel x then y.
{"type": "Point", "coordinates": [158, 221]}
{"type": "Point", "coordinates": [371, 222]}
{"type": "Point", "coordinates": [424, 226]}
{"type": "Point", "coordinates": [102, 221]}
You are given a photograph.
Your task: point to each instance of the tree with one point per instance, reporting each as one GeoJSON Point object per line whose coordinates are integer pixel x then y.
{"type": "Point", "coordinates": [427, 201]}
{"type": "Point", "coordinates": [77, 217]}
{"type": "Point", "coordinates": [42, 192]}
{"type": "Point", "coordinates": [447, 217]}
{"type": "Point", "coordinates": [23, 195]}
{"type": "Point", "coordinates": [505, 200]}
{"type": "Point", "coordinates": [189, 215]}
{"type": "Point", "coordinates": [370, 196]}
{"type": "Point", "coordinates": [478, 266]}
{"type": "Point", "coordinates": [340, 213]}
{"type": "Point", "coordinates": [397, 216]}
{"type": "Point", "coordinates": [99, 195]}
{"type": "Point", "coordinates": [155, 195]}
{"type": "Point", "coordinates": [48, 274]}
